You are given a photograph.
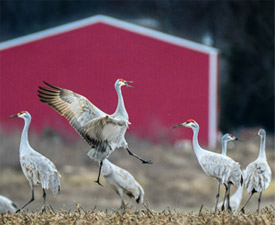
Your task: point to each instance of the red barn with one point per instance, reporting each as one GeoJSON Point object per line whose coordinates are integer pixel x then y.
{"type": "Point", "coordinates": [174, 79]}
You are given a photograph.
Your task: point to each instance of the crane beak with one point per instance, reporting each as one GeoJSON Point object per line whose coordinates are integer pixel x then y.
{"type": "Point", "coordinates": [12, 116]}
{"type": "Point", "coordinates": [127, 83]}
{"type": "Point", "coordinates": [179, 125]}
{"type": "Point", "coordinates": [237, 139]}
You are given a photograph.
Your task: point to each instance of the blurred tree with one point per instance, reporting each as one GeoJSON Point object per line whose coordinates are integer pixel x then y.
{"type": "Point", "coordinates": [247, 98]}
{"type": "Point", "coordinates": [244, 32]}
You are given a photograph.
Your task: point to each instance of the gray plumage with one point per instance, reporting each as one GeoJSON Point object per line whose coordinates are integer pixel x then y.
{"type": "Point", "coordinates": [218, 166]}
{"type": "Point", "coordinates": [36, 167]}
{"type": "Point", "coordinates": [235, 199]}
{"type": "Point", "coordinates": [39, 169]}
{"type": "Point", "coordinates": [257, 174]}
{"type": "Point", "coordinates": [223, 168]}
{"type": "Point", "coordinates": [122, 182]}
{"type": "Point", "coordinates": [6, 205]}
{"type": "Point", "coordinates": [103, 132]}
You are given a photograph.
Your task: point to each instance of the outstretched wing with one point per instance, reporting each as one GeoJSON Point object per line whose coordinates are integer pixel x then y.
{"type": "Point", "coordinates": [77, 109]}
{"type": "Point", "coordinates": [96, 127]}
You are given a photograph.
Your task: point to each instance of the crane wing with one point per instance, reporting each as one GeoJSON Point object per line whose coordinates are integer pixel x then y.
{"type": "Point", "coordinates": [40, 169]}
{"type": "Point", "coordinates": [95, 126]}
{"type": "Point", "coordinates": [257, 176]}
{"type": "Point", "coordinates": [126, 181]}
{"type": "Point", "coordinates": [105, 128]}
{"type": "Point", "coordinates": [221, 167]}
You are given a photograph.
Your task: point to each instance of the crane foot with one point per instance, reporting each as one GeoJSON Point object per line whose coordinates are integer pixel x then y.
{"type": "Point", "coordinates": [97, 181]}
{"type": "Point", "coordinates": [18, 211]}
{"type": "Point", "coordinates": [147, 161]}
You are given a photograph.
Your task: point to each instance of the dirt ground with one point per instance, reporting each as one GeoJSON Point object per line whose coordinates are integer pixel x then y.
{"type": "Point", "coordinates": [174, 180]}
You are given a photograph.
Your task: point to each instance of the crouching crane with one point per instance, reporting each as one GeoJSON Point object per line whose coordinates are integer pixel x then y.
{"type": "Point", "coordinates": [36, 167]}
{"type": "Point", "coordinates": [6, 205]}
{"type": "Point", "coordinates": [122, 182]}
{"type": "Point", "coordinates": [103, 132]}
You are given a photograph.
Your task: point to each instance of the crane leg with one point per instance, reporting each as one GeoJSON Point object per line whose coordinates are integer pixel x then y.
{"type": "Point", "coordinates": [242, 209]}
{"type": "Point", "coordinates": [228, 199]}
{"type": "Point", "coordinates": [259, 202]}
{"type": "Point", "coordinates": [43, 209]}
{"type": "Point", "coordinates": [32, 199]}
{"type": "Point", "coordinates": [122, 207]}
{"type": "Point", "coordinates": [223, 204]}
{"type": "Point", "coordinates": [135, 155]}
{"type": "Point", "coordinates": [99, 172]}
{"type": "Point", "coordinates": [217, 197]}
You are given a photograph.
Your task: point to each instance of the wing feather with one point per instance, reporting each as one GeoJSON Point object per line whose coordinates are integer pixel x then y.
{"type": "Point", "coordinates": [95, 126]}
{"type": "Point", "coordinates": [77, 109]}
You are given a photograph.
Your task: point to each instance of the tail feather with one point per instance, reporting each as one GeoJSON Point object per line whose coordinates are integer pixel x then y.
{"type": "Point", "coordinates": [99, 154]}
{"type": "Point", "coordinates": [140, 198]}
{"type": "Point", "coordinates": [55, 183]}
{"type": "Point", "coordinates": [14, 205]}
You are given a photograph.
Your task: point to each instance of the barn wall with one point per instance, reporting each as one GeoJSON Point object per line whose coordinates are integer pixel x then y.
{"type": "Point", "coordinates": [171, 83]}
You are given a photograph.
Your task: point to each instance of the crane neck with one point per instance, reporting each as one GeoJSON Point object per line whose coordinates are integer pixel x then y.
{"type": "Point", "coordinates": [24, 142]}
{"type": "Point", "coordinates": [224, 147]}
{"type": "Point", "coordinates": [262, 148]}
{"type": "Point", "coordinates": [197, 148]}
{"type": "Point", "coordinates": [120, 109]}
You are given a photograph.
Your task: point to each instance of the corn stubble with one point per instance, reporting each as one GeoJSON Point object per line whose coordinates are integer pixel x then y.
{"type": "Point", "coordinates": [82, 216]}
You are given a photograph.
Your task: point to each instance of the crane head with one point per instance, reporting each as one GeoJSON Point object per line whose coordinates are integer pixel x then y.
{"type": "Point", "coordinates": [21, 114]}
{"type": "Point", "coordinates": [189, 123]}
{"type": "Point", "coordinates": [261, 132]}
{"type": "Point", "coordinates": [229, 137]}
{"type": "Point", "coordinates": [122, 82]}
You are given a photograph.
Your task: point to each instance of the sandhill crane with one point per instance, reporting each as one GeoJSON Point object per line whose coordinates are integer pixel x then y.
{"type": "Point", "coordinates": [6, 205]}
{"type": "Point", "coordinates": [122, 182]}
{"type": "Point", "coordinates": [103, 132]}
{"type": "Point", "coordinates": [257, 174]}
{"type": "Point", "coordinates": [36, 167]}
{"type": "Point", "coordinates": [236, 198]}
{"type": "Point", "coordinates": [219, 166]}
{"type": "Point", "coordinates": [225, 139]}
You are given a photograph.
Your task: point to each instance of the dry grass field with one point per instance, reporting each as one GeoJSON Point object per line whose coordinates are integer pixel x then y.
{"type": "Point", "coordinates": [81, 216]}
{"type": "Point", "coordinates": [175, 186]}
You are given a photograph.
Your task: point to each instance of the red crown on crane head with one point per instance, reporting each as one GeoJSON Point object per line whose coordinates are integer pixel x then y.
{"type": "Point", "coordinates": [190, 121]}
